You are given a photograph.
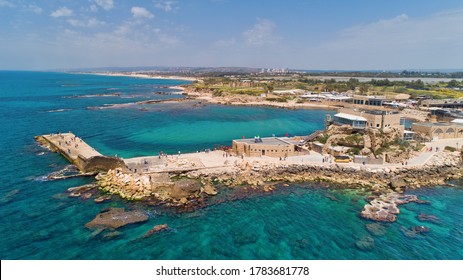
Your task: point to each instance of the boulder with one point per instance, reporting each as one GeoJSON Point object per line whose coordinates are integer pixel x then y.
{"type": "Point", "coordinates": [209, 189]}
{"type": "Point", "coordinates": [115, 218]}
{"type": "Point", "coordinates": [397, 182]}
{"type": "Point", "coordinates": [185, 188]}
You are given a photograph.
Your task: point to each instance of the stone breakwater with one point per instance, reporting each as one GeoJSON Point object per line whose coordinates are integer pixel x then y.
{"type": "Point", "coordinates": [158, 186]}
{"type": "Point", "coordinates": [439, 169]}
{"type": "Point", "coordinates": [192, 188]}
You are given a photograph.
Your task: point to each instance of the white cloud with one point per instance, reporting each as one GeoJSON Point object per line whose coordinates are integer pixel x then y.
{"type": "Point", "coordinates": [261, 33]}
{"type": "Point", "coordinates": [105, 4]}
{"type": "Point", "coordinates": [5, 3]}
{"type": "Point", "coordinates": [34, 8]}
{"type": "Point", "coordinates": [140, 12]}
{"type": "Point", "coordinates": [62, 12]}
{"type": "Point", "coordinates": [167, 6]}
{"type": "Point", "coordinates": [91, 22]}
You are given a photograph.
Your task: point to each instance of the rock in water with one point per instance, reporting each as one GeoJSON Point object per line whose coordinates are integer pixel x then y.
{"type": "Point", "coordinates": [155, 230]}
{"type": "Point", "coordinates": [365, 243]}
{"type": "Point", "coordinates": [429, 218]}
{"type": "Point", "coordinates": [116, 218]}
{"type": "Point", "coordinates": [376, 229]}
{"type": "Point", "coordinates": [384, 208]}
{"type": "Point", "coordinates": [420, 229]}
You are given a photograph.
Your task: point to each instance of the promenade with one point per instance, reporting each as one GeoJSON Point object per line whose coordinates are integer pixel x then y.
{"type": "Point", "coordinates": [220, 160]}
{"type": "Point", "coordinates": [76, 150]}
{"type": "Point", "coordinates": [71, 146]}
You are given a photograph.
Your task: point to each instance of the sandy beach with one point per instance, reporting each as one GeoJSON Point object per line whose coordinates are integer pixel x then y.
{"type": "Point", "coordinates": [140, 75]}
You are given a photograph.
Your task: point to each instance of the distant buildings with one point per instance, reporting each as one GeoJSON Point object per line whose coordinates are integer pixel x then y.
{"type": "Point", "coordinates": [434, 131]}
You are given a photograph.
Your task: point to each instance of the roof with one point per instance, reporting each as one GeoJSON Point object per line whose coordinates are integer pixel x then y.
{"type": "Point", "coordinates": [265, 141]}
{"type": "Point", "coordinates": [350, 117]}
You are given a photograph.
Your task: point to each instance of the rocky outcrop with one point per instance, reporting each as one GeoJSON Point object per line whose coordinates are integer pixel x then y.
{"type": "Point", "coordinates": [113, 218]}
{"type": "Point", "coordinates": [159, 186]}
{"type": "Point", "coordinates": [384, 208]}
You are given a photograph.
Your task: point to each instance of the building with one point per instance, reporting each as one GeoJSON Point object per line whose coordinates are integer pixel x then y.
{"type": "Point", "coordinates": [368, 100]}
{"type": "Point", "coordinates": [269, 146]}
{"type": "Point", "coordinates": [352, 120]}
{"type": "Point", "coordinates": [379, 119]}
{"type": "Point", "coordinates": [442, 103]}
{"type": "Point", "coordinates": [434, 131]}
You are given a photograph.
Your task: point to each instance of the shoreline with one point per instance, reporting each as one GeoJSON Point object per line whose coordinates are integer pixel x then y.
{"type": "Point", "coordinates": [138, 75]}
{"type": "Point", "coordinates": [384, 185]}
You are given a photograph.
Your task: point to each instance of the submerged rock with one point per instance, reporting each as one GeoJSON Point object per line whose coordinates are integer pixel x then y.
{"type": "Point", "coordinates": [376, 229]}
{"type": "Point", "coordinates": [429, 218]}
{"type": "Point", "coordinates": [365, 243]}
{"type": "Point", "coordinates": [420, 229]}
{"type": "Point", "coordinates": [116, 218]}
{"type": "Point", "coordinates": [102, 198]}
{"type": "Point", "coordinates": [155, 230]}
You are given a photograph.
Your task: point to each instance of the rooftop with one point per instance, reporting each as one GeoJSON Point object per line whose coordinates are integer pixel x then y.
{"type": "Point", "coordinates": [439, 124]}
{"type": "Point", "coordinates": [266, 141]}
{"type": "Point", "coordinates": [350, 117]}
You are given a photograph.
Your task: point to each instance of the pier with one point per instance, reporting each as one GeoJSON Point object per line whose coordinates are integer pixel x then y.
{"type": "Point", "coordinates": [79, 153]}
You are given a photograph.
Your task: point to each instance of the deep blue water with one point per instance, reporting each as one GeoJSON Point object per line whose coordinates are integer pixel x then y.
{"type": "Point", "coordinates": [39, 221]}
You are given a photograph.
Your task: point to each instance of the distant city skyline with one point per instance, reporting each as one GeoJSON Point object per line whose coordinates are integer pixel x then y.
{"type": "Point", "coordinates": [313, 34]}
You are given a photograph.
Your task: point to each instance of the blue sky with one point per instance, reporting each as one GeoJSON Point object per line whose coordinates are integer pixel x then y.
{"type": "Point", "coordinates": [310, 34]}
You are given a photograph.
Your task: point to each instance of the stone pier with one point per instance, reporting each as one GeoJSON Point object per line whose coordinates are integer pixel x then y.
{"type": "Point", "coordinates": [79, 153]}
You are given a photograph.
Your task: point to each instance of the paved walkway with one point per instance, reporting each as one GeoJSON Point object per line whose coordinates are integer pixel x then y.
{"type": "Point", "coordinates": [71, 145]}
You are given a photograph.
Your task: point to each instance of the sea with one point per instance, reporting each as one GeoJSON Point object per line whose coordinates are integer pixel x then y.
{"type": "Point", "coordinates": [300, 221]}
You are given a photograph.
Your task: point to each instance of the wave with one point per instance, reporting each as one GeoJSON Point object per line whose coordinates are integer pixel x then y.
{"type": "Point", "coordinates": [58, 110]}
{"type": "Point", "coordinates": [94, 95]}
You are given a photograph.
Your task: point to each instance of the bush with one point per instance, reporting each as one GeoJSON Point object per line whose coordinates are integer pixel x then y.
{"type": "Point", "coordinates": [450, 149]}
{"type": "Point", "coordinates": [322, 139]}
{"type": "Point", "coordinates": [354, 151]}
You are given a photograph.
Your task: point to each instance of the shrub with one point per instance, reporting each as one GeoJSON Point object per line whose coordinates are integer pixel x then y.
{"type": "Point", "coordinates": [450, 149]}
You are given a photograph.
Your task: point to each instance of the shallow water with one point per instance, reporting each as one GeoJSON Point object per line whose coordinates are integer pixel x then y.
{"type": "Point", "coordinates": [39, 221]}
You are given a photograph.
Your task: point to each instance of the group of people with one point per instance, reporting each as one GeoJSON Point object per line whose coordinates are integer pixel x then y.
{"type": "Point", "coordinates": [430, 149]}
{"type": "Point", "coordinates": [327, 159]}
{"type": "Point", "coordinates": [74, 140]}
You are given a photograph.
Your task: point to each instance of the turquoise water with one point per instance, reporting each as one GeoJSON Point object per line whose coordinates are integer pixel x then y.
{"type": "Point", "coordinates": [39, 221]}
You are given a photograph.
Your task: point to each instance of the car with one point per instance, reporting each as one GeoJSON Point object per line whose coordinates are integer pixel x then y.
{"type": "Point", "coordinates": [342, 159]}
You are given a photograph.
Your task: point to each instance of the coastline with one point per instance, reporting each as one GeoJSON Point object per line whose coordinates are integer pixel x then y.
{"type": "Point", "coordinates": [138, 75]}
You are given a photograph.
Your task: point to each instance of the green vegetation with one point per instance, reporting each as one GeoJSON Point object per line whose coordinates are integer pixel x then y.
{"type": "Point", "coordinates": [255, 85]}
{"type": "Point", "coordinates": [323, 138]}
{"type": "Point", "coordinates": [450, 149]}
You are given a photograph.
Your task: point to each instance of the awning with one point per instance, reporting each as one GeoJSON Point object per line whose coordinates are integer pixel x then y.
{"type": "Point", "coordinates": [350, 117]}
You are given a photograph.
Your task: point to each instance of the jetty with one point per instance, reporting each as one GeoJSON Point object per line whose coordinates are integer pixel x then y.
{"type": "Point", "coordinates": [79, 153]}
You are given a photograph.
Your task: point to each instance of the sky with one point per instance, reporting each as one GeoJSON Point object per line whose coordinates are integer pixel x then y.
{"type": "Point", "coordinates": [309, 34]}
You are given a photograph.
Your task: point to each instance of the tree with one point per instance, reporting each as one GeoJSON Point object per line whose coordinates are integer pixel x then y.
{"type": "Point", "coordinates": [453, 84]}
